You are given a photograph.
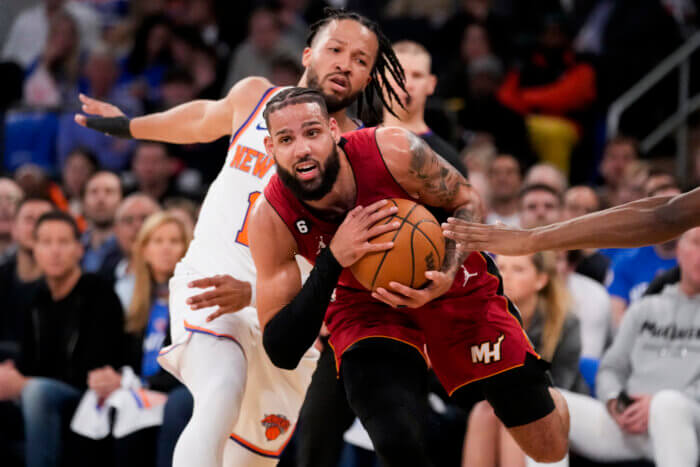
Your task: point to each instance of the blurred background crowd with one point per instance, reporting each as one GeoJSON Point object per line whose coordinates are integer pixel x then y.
{"type": "Point", "coordinates": [520, 91]}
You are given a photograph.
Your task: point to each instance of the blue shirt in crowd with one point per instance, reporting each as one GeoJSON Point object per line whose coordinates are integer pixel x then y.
{"type": "Point", "coordinates": [632, 272]}
{"type": "Point", "coordinates": [156, 331]}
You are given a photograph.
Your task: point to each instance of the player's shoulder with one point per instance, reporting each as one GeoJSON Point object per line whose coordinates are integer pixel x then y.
{"type": "Point", "coordinates": [393, 135]}
{"type": "Point", "coordinates": [248, 90]}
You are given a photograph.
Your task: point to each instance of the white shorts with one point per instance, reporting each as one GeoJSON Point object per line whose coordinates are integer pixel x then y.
{"type": "Point", "coordinates": [273, 396]}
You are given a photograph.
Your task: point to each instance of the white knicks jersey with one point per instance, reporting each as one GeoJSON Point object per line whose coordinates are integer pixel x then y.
{"type": "Point", "coordinates": [220, 243]}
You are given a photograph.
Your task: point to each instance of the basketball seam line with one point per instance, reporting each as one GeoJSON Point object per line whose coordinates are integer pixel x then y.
{"type": "Point", "coordinates": [379, 267]}
{"type": "Point", "coordinates": [413, 257]}
{"type": "Point", "coordinates": [415, 227]}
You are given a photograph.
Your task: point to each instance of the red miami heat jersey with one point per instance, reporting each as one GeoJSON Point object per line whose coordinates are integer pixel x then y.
{"type": "Point", "coordinates": [353, 314]}
{"type": "Point", "coordinates": [374, 182]}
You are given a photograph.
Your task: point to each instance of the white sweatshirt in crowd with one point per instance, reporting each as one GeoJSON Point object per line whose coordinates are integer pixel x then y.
{"type": "Point", "coordinates": [657, 347]}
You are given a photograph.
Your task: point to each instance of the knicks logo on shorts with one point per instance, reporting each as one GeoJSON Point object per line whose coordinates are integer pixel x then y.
{"type": "Point", "coordinates": [275, 425]}
{"type": "Point", "coordinates": [487, 352]}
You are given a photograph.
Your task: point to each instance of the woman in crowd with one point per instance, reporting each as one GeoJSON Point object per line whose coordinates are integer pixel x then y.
{"type": "Point", "coordinates": [533, 284]}
{"type": "Point", "coordinates": [161, 242]}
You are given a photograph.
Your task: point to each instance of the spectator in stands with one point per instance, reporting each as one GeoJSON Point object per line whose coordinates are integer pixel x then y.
{"type": "Point", "coordinates": [534, 285]}
{"type": "Point", "coordinates": [129, 217]}
{"type": "Point", "coordinates": [30, 30]}
{"type": "Point", "coordinates": [103, 193]}
{"type": "Point", "coordinates": [189, 52]}
{"type": "Point", "coordinates": [177, 87]}
{"type": "Point", "coordinates": [10, 196]}
{"type": "Point", "coordinates": [76, 325]}
{"type": "Point", "coordinates": [153, 172]}
{"type": "Point", "coordinates": [633, 270]}
{"type": "Point", "coordinates": [184, 209]}
{"type": "Point", "coordinates": [591, 304]}
{"type": "Point", "coordinates": [19, 275]}
{"type": "Point", "coordinates": [505, 181]}
{"type": "Point", "coordinates": [35, 183]}
{"type": "Point", "coordinates": [648, 379]}
{"type": "Point", "coordinates": [149, 59]}
{"type": "Point", "coordinates": [552, 88]}
{"type": "Point", "coordinates": [479, 110]}
{"type": "Point", "coordinates": [99, 81]}
{"type": "Point", "coordinates": [79, 166]}
{"type": "Point", "coordinates": [264, 43]}
{"type": "Point", "coordinates": [547, 174]}
{"type": "Point", "coordinates": [420, 84]}
{"type": "Point", "coordinates": [474, 44]}
{"type": "Point", "coordinates": [619, 152]}
{"type": "Point", "coordinates": [579, 201]}
{"type": "Point", "coordinates": [539, 205]}
{"type": "Point", "coordinates": [52, 80]}
{"type": "Point", "coordinates": [161, 242]}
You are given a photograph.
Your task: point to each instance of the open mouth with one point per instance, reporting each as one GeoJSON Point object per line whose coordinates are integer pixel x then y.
{"type": "Point", "coordinates": [339, 82]}
{"type": "Point", "coordinates": [306, 170]}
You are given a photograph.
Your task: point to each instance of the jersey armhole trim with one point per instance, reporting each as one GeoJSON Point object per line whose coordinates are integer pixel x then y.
{"type": "Point", "coordinates": [252, 115]}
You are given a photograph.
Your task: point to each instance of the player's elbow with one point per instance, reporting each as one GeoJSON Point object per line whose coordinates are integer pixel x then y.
{"type": "Point", "coordinates": [280, 355]}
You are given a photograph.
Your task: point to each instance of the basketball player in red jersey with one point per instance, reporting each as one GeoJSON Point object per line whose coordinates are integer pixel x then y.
{"type": "Point", "coordinates": [646, 221]}
{"type": "Point", "coordinates": [236, 388]}
{"type": "Point", "coordinates": [322, 204]}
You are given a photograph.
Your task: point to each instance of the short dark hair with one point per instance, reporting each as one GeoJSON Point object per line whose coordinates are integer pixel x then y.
{"type": "Point", "coordinates": [293, 96]}
{"type": "Point", "coordinates": [540, 187]}
{"type": "Point", "coordinates": [59, 216]}
{"type": "Point", "coordinates": [35, 199]}
{"type": "Point", "coordinates": [385, 62]}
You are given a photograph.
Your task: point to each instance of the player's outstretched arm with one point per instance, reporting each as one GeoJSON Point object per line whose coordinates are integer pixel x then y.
{"type": "Point", "coordinates": [290, 314]}
{"type": "Point", "coordinates": [198, 121]}
{"type": "Point", "coordinates": [644, 222]}
{"type": "Point", "coordinates": [433, 181]}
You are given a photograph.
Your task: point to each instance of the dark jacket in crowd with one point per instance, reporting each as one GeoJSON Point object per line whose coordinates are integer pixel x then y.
{"type": "Point", "coordinates": [15, 298]}
{"type": "Point", "coordinates": [66, 339]}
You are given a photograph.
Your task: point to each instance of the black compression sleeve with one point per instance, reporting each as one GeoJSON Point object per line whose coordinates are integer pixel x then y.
{"type": "Point", "coordinates": [289, 334]}
{"type": "Point", "coordinates": [113, 126]}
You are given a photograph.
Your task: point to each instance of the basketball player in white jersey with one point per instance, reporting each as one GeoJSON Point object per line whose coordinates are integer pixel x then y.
{"type": "Point", "coordinates": [245, 409]}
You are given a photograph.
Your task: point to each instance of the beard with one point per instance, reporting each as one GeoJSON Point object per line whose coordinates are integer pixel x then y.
{"type": "Point", "coordinates": [333, 103]}
{"type": "Point", "coordinates": [329, 174]}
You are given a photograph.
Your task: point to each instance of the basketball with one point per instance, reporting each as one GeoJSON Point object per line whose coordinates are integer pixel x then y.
{"type": "Point", "coordinates": [419, 246]}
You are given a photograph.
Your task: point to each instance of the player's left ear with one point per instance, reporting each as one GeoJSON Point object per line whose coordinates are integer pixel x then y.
{"type": "Point", "coordinates": [306, 57]}
{"type": "Point", "coordinates": [335, 129]}
{"type": "Point", "coordinates": [432, 82]}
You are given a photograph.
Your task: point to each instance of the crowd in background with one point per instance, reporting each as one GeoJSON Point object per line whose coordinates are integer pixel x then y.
{"type": "Point", "coordinates": [91, 226]}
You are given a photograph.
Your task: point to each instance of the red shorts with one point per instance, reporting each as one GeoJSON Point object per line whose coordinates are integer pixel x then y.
{"type": "Point", "coordinates": [471, 333]}
{"type": "Point", "coordinates": [354, 315]}
{"type": "Point", "coordinates": [470, 339]}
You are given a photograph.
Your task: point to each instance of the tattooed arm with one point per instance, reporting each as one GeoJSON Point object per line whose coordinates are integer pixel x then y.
{"type": "Point", "coordinates": [432, 181]}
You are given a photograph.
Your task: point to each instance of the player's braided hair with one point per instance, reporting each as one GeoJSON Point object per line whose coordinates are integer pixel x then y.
{"type": "Point", "coordinates": [386, 62]}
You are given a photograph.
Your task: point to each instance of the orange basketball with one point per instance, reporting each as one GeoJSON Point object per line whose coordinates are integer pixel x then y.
{"type": "Point", "coordinates": [419, 246]}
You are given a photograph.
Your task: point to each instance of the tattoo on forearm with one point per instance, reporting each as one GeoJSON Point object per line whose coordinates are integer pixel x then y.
{"type": "Point", "coordinates": [454, 257]}
{"type": "Point", "coordinates": [439, 179]}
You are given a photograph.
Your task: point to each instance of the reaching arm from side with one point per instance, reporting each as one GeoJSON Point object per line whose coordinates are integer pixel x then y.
{"type": "Point", "coordinates": [643, 222]}
{"type": "Point", "coordinates": [198, 121]}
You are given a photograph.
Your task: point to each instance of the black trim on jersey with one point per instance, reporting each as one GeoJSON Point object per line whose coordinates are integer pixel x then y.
{"type": "Point", "coordinates": [492, 269]}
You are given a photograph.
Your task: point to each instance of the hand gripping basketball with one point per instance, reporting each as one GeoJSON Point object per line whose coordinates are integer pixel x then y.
{"type": "Point", "coordinates": [352, 239]}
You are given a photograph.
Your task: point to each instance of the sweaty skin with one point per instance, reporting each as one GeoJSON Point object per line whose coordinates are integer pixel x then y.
{"type": "Point", "coordinates": [644, 222]}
